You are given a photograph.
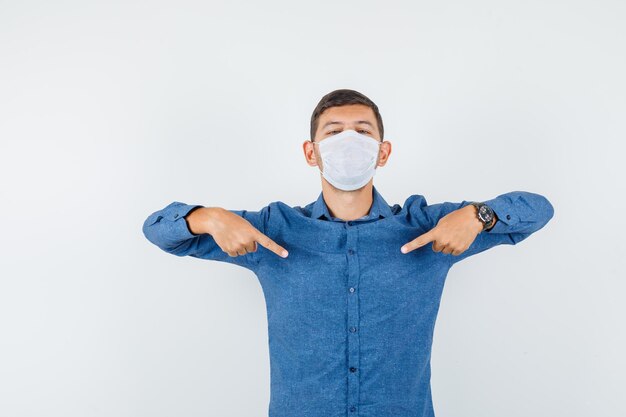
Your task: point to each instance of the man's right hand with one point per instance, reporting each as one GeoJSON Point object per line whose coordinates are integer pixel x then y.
{"type": "Point", "coordinates": [232, 233]}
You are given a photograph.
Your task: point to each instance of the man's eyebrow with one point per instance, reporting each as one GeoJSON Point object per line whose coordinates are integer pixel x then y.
{"type": "Point", "coordinates": [366, 122]}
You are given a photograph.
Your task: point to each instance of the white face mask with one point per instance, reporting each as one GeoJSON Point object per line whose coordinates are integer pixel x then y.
{"type": "Point", "coordinates": [349, 159]}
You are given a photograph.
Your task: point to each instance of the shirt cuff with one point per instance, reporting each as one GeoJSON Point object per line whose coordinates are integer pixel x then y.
{"type": "Point", "coordinates": [504, 208]}
{"type": "Point", "coordinates": [176, 214]}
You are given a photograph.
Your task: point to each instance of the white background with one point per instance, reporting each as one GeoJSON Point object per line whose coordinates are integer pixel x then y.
{"type": "Point", "coordinates": [112, 110]}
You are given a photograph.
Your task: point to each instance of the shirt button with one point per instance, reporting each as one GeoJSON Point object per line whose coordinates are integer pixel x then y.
{"type": "Point", "coordinates": [350, 251]}
{"type": "Point", "coordinates": [353, 329]}
{"type": "Point", "coordinates": [353, 369]}
{"type": "Point", "coordinates": [176, 215]}
{"type": "Point", "coordinates": [353, 409]}
{"type": "Point", "coordinates": [351, 289]}
{"type": "Point", "coordinates": [508, 217]}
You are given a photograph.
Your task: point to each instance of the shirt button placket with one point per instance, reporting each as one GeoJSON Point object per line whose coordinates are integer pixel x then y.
{"type": "Point", "coordinates": [353, 319]}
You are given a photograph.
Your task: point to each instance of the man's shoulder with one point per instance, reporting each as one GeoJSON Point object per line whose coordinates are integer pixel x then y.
{"type": "Point", "coordinates": [415, 201]}
{"type": "Point", "coordinates": [417, 211]}
{"type": "Point", "coordinates": [278, 208]}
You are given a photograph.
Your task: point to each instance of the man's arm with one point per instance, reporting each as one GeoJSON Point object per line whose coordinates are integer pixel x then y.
{"type": "Point", "coordinates": [169, 229]}
{"type": "Point", "coordinates": [519, 214]}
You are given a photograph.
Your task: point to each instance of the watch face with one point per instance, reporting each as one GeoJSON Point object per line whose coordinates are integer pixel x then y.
{"type": "Point", "coordinates": [485, 213]}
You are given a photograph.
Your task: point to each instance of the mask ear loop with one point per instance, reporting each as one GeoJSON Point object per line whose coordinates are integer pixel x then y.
{"type": "Point", "coordinates": [318, 167]}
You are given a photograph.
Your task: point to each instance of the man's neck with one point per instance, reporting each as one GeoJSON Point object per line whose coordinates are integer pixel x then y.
{"type": "Point", "coordinates": [348, 205]}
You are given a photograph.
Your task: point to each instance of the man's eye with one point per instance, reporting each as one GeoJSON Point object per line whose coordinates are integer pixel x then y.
{"type": "Point", "coordinates": [367, 132]}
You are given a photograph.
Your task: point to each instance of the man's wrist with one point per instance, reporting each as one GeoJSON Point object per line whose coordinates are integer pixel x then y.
{"type": "Point", "coordinates": [485, 215]}
{"type": "Point", "coordinates": [200, 220]}
{"type": "Point", "coordinates": [479, 224]}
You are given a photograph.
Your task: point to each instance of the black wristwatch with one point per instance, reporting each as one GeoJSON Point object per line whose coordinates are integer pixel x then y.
{"type": "Point", "coordinates": [484, 213]}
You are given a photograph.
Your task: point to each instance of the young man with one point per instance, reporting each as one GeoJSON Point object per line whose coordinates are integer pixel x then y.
{"type": "Point", "coordinates": [352, 285]}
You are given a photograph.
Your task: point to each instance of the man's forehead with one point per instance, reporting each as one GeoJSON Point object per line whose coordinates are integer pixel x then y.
{"type": "Point", "coordinates": [357, 114]}
{"type": "Point", "coordinates": [349, 109]}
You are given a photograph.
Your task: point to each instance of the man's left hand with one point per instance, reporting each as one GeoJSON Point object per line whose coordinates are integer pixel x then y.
{"type": "Point", "coordinates": [453, 234]}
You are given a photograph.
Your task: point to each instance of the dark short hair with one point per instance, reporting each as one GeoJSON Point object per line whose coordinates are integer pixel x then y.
{"type": "Point", "coordinates": [344, 97]}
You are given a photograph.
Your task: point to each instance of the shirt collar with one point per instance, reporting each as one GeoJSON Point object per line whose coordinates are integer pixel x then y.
{"type": "Point", "coordinates": [379, 209]}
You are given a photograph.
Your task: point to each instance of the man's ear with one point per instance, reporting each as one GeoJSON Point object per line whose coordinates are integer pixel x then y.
{"type": "Point", "coordinates": [385, 151]}
{"type": "Point", "coordinates": [309, 153]}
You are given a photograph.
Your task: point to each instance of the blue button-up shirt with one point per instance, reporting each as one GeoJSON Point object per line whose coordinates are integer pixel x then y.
{"type": "Point", "coordinates": [350, 317]}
